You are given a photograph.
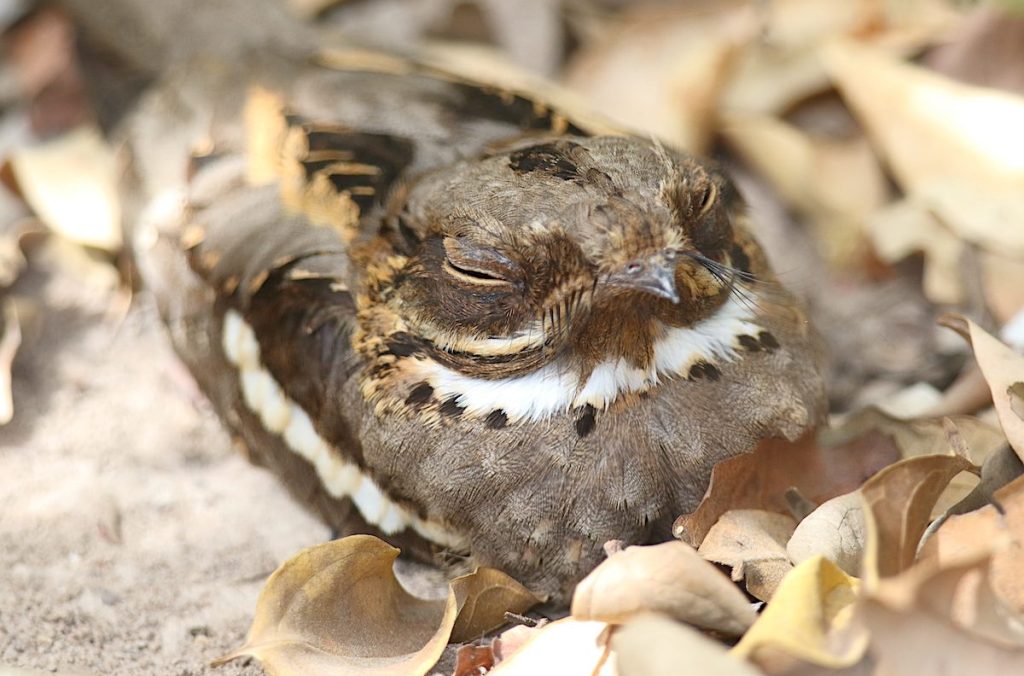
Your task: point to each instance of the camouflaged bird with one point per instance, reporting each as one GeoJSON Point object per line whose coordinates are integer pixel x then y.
{"type": "Point", "coordinates": [455, 316]}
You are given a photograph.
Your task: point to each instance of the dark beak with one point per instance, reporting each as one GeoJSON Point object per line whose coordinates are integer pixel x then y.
{"type": "Point", "coordinates": [654, 274]}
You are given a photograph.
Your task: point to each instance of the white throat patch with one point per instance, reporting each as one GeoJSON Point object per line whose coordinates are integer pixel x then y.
{"type": "Point", "coordinates": [555, 388]}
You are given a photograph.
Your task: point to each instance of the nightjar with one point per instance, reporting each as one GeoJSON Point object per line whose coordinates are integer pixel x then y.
{"type": "Point", "coordinates": [458, 317]}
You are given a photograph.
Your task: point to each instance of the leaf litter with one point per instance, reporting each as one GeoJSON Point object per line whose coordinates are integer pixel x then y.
{"type": "Point", "coordinates": [868, 546]}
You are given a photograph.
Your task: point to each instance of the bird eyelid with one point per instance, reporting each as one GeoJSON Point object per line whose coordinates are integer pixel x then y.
{"type": "Point", "coordinates": [476, 264]}
{"type": "Point", "coordinates": [707, 198]}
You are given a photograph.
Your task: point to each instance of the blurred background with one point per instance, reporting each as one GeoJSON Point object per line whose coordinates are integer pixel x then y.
{"type": "Point", "coordinates": [879, 143]}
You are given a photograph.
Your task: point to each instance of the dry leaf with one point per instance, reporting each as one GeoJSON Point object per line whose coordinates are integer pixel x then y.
{"type": "Point", "coordinates": [928, 436]}
{"type": "Point", "coordinates": [337, 607]}
{"type": "Point", "coordinates": [760, 479]}
{"type": "Point", "coordinates": [488, 594]}
{"type": "Point", "coordinates": [567, 647]}
{"type": "Point", "coordinates": [958, 591]}
{"type": "Point", "coordinates": [1003, 369]}
{"type": "Point", "coordinates": [976, 533]}
{"type": "Point", "coordinates": [907, 227]}
{"type": "Point", "coordinates": [753, 543]}
{"type": "Point", "coordinates": [941, 620]}
{"type": "Point", "coordinates": [12, 260]}
{"type": "Point", "coordinates": [669, 578]}
{"type": "Point", "coordinates": [809, 618]}
{"type": "Point", "coordinates": [835, 183]}
{"type": "Point", "coordinates": [834, 530]}
{"type": "Point", "coordinates": [784, 66]}
{"type": "Point", "coordinates": [1002, 279]}
{"type": "Point", "coordinates": [954, 148]}
{"type": "Point", "coordinates": [654, 645]}
{"type": "Point", "coordinates": [685, 55]}
{"type": "Point", "coordinates": [898, 505]}
{"type": "Point", "coordinates": [1000, 468]}
{"type": "Point", "coordinates": [10, 340]}
{"type": "Point", "coordinates": [473, 660]}
{"type": "Point", "coordinates": [986, 49]}
{"type": "Point", "coordinates": [531, 32]}
{"type": "Point", "coordinates": [511, 640]}
{"type": "Point", "coordinates": [71, 184]}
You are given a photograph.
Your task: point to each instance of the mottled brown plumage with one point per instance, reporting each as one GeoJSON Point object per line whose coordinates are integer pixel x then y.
{"type": "Point", "coordinates": [531, 337]}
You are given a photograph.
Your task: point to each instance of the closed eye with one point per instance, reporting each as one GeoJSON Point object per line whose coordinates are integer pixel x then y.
{"type": "Point", "coordinates": [707, 199]}
{"type": "Point", "coordinates": [473, 276]}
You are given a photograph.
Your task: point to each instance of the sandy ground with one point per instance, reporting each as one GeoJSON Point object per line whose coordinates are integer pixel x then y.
{"type": "Point", "coordinates": [133, 538]}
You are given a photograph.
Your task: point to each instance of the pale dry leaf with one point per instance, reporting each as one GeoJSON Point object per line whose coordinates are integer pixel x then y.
{"type": "Point", "coordinates": [753, 543]}
{"type": "Point", "coordinates": [918, 643]}
{"type": "Point", "coordinates": [912, 401]}
{"type": "Point", "coordinates": [567, 647]}
{"type": "Point", "coordinates": [952, 147]}
{"type": "Point", "coordinates": [669, 578]}
{"type": "Point", "coordinates": [10, 340]}
{"type": "Point", "coordinates": [958, 591]}
{"type": "Point", "coordinates": [809, 618]}
{"type": "Point", "coordinates": [1002, 279]}
{"type": "Point", "coordinates": [975, 533]}
{"type": "Point", "coordinates": [946, 621]}
{"type": "Point", "coordinates": [1016, 394]}
{"type": "Point", "coordinates": [1003, 369]}
{"type": "Point", "coordinates": [90, 267]}
{"type": "Point", "coordinates": [784, 66]}
{"type": "Point", "coordinates": [834, 530]}
{"type": "Point", "coordinates": [969, 393]}
{"type": "Point", "coordinates": [71, 184]}
{"type": "Point", "coordinates": [836, 183]}
{"type": "Point", "coordinates": [488, 594]}
{"type": "Point", "coordinates": [925, 436]}
{"type": "Point", "coordinates": [898, 504]}
{"type": "Point", "coordinates": [1013, 331]}
{"type": "Point", "coordinates": [40, 49]}
{"type": "Point", "coordinates": [819, 468]}
{"type": "Point", "coordinates": [511, 640]}
{"type": "Point", "coordinates": [907, 227]}
{"type": "Point", "coordinates": [12, 260]}
{"type": "Point", "coordinates": [654, 645]}
{"type": "Point", "coordinates": [763, 577]}
{"type": "Point", "coordinates": [685, 53]}
{"type": "Point", "coordinates": [529, 31]}
{"type": "Point", "coordinates": [338, 607]}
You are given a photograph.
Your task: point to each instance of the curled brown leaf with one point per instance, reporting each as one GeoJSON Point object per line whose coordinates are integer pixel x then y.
{"type": "Point", "coordinates": [819, 468]}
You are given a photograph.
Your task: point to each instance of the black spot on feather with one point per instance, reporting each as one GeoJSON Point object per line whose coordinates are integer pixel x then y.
{"type": "Point", "coordinates": [401, 344]}
{"type": "Point", "coordinates": [750, 343]}
{"type": "Point", "coordinates": [587, 421]}
{"type": "Point", "coordinates": [703, 369]}
{"type": "Point", "coordinates": [420, 395]}
{"type": "Point", "coordinates": [768, 341]}
{"type": "Point", "coordinates": [452, 408]}
{"type": "Point", "coordinates": [497, 419]}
